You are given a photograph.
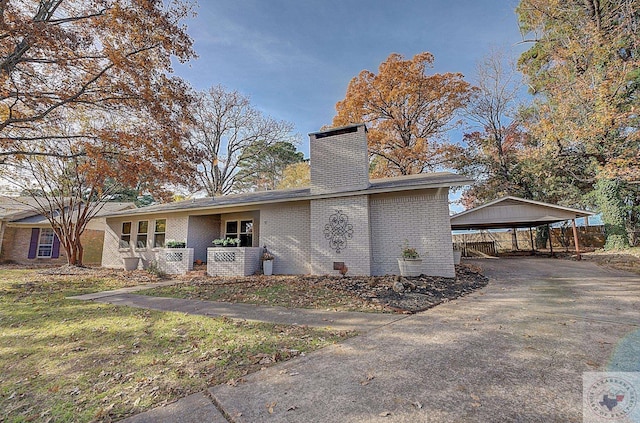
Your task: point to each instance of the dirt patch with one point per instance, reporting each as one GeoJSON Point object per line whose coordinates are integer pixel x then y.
{"type": "Point", "coordinates": [628, 260]}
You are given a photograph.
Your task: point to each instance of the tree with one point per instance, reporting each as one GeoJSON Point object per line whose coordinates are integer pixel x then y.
{"type": "Point", "coordinates": [225, 125]}
{"type": "Point", "coordinates": [87, 97]}
{"type": "Point", "coordinates": [296, 175]}
{"type": "Point", "coordinates": [493, 154]}
{"type": "Point", "coordinates": [406, 112]}
{"type": "Point", "coordinates": [584, 70]}
{"type": "Point", "coordinates": [261, 167]}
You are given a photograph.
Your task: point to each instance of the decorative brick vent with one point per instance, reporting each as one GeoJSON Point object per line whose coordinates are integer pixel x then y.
{"type": "Point", "coordinates": [174, 256]}
{"type": "Point", "coordinates": [226, 257]}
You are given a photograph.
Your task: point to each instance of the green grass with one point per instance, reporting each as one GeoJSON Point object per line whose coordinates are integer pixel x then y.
{"type": "Point", "coordinates": [67, 360]}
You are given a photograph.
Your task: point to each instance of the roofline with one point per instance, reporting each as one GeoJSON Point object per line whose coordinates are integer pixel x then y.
{"type": "Point", "coordinates": [338, 128]}
{"type": "Point", "coordinates": [29, 225]}
{"type": "Point", "coordinates": [582, 213]}
{"type": "Point", "coordinates": [294, 199]}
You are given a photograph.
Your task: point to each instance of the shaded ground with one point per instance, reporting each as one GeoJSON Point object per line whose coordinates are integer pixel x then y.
{"type": "Point", "coordinates": [373, 294]}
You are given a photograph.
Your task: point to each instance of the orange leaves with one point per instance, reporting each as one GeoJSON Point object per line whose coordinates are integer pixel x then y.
{"type": "Point", "coordinates": [406, 112]}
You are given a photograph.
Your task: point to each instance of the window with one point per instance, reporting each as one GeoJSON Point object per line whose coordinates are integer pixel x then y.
{"type": "Point", "coordinates": [143, 228]}
{"type": "Point", "coordinates": [125, 236]}
{"type": "Point", "coordinates": [45, 243]}
{"type": "Point", "coordinates": [242, 229]}
{"type": "Point", "coordinates": [159, 232]}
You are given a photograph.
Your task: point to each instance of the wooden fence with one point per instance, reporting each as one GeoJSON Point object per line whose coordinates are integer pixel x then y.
{"type": "Point", "coordinates": [484, 247]}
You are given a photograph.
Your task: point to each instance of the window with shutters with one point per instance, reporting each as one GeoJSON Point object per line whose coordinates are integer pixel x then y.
{"type": "Point", "coordinates": [45, 243]}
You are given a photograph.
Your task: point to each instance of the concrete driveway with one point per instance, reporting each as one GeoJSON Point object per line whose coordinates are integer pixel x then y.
{"type": "Point", "coordinates": [513, 352]}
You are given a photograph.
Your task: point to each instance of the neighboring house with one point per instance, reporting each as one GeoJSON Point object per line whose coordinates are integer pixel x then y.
{"type": "Point", "coordinates": [342, 218]}
{"type": "Point", "coordinates": [26, 236]}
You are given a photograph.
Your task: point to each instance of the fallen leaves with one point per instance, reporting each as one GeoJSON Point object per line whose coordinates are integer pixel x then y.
{"type": "Point", "coordinates": [270, 406]}
{"type": "Point", "coordinates": [368, 378]}
{"type": "Point", "coordinates": [354, 293]}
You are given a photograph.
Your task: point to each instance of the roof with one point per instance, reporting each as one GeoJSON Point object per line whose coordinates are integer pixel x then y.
{"type": "Point", "coordinates": [34, 219]}
{"type": "Point", "coordinates": [514, 212]}
{"type": "Point", "coordinates": [12, 208]}
{"type": "Point", "coordinates": [376, 186]}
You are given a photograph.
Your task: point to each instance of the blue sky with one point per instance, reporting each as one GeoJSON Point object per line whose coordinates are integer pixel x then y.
{"type": "Point", "coordinates": [294, 58]}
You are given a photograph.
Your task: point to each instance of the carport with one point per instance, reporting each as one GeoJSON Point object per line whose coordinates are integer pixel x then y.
{"type": "Point", "coordinates": [515, 213]}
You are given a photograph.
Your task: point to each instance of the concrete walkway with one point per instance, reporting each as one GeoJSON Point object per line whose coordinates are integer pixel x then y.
{"type": "Point", "coordinates": [361, 322]}
{"type": "Point", "coordinates": [515, 351]}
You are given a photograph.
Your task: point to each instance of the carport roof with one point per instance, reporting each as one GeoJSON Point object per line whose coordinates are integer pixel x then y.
{"type": "Point", "coordinates": [513, 212]}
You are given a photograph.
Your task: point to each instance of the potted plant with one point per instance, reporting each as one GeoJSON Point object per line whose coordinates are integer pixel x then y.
{"type": "Point", "coordinates": [410, 263]}
{"type": "Point", "coordinates": [226, 242]}
{"type": "Point", "coordinates": [175, 244]}
{"type": "Point", "coordinates": [267, 262]}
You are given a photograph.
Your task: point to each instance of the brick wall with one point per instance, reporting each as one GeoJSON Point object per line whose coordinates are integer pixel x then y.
{"type": "Point", "coordinates": [284, 229]}
{"type": "Point", "coordinates": [420, 217]}
{"type": "Point", "coordinates": [175, 261]}
{"type": "Point", "coordinates": [112, 254]}
{"type": "Point", "coordinates": [329, 219]}
{"type": "Point", "coordinates": [15, 247]}
{"type": "Point", "coordinates": [233, 261]}
{"type": "Point", "coordinates": [339, 161]}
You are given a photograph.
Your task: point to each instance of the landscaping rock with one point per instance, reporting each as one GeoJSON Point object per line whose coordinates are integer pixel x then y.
{"type": "Point", "coordinates": [398, 287]}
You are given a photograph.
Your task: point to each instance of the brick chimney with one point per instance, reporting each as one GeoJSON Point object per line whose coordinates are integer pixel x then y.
{"type": "Point", "coordinates": [339, 160]}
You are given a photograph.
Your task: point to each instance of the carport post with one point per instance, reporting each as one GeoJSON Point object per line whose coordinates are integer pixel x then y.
{"type": "Point", "coordinates": [550, 241]}
{"type": "Point", "coordinates": [533, 247]}
{"type": "Point", "coordinates": [575, 239]}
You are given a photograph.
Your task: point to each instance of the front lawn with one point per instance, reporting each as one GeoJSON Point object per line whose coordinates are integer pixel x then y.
{"type": "Point", "coordinates": [67, 360]}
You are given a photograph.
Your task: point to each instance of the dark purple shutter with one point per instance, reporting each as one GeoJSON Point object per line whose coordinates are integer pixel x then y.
{"type": "Point", "coordinates": [33, 245]}
{"type": "Point", "coordinates": [55, 252]}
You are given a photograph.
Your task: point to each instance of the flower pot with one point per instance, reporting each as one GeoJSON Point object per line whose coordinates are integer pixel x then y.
{"type": "Point", "coordinates": [267, 267]}
{"type": "Point", "coordinates": [410, 267]}
{"type": "Point", "coordinates": [457, 255]}
{"type": "Point", "coordinates": [131, 263]}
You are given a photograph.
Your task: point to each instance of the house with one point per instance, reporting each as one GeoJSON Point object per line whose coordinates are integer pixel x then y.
{"type": "Point", "coordinates": [26, 236]}
{"type": "Point", "coordinates": [342, 219]}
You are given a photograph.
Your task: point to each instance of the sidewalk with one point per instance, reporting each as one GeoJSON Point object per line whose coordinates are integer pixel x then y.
{"type": "Point", "coordinates": [340, 320]}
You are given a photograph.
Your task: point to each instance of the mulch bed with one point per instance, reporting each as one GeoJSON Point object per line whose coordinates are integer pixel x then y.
{"type": "Point", "coordinates": [382, 293]}
{"type": "Point", "coordinates": [415, 294]}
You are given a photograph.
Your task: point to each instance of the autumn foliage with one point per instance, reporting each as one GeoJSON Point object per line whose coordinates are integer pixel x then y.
{"type": "Point", "coordinates": [89, 85]}
{"type": "Point", "coordinates": [406, 112]}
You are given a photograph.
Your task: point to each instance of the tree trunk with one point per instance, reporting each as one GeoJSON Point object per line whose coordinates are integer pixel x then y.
{"type": "Point", "coordinates": [73, 248]}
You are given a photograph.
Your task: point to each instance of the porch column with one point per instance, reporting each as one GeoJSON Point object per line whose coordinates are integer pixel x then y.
{"type": "Point", "coordinates": [575, 239]}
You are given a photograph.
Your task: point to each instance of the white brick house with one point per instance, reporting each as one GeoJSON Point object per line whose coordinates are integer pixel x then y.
{"type": "Point", "coordinates": [343, 217]}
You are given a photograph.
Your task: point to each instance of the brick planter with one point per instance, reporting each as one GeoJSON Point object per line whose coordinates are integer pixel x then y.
{"type": "Point", "coordinates": [233, 261]}
{"type": "Point", "coordinates": [176, 261]}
